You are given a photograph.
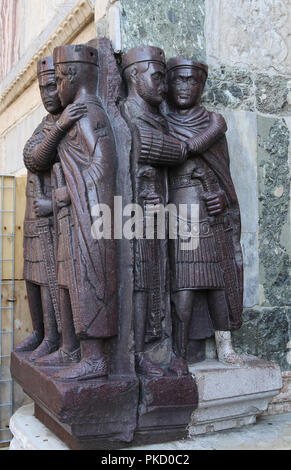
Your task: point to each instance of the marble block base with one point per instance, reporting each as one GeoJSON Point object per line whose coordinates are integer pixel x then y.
{"type": "Point", "coordinates": [232, 396]}
{"type": "Point", "coordinates": [30, 434]}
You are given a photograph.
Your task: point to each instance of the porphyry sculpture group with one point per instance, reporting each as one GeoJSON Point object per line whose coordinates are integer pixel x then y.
{"type": "Point", "coordinates": [117, 317]}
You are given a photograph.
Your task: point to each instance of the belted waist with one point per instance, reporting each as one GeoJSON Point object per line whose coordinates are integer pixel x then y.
{"type": "Point", "coordinates": [183, 181]}
{"type": "Point", "coordinates": [33, 228]}
{"type": "Point", "coordinates": [189, 179]}
{"type": "Point", "coordinates": [202, 228]}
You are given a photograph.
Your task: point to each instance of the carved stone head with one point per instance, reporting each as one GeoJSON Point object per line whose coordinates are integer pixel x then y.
{"type": "Point", "coordinates": [144, 72]}
{"type": "Point", "coordinates": [186, 79]}
{"type": "Point", "coordinates": [76, 69]}
{"type": "Point", "coordinates": [47, 85]}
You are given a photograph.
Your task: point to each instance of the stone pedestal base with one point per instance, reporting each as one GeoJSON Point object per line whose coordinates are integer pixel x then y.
{"type": "Point", "coordinates": [93, 414]}
{"type": "Point", "coordinates": [116, 412]}
{"type": "Point", "coordinates": [108, 413]}
{"type": "Point", "coordinates": [231, 396]}
{"type": "Point", "coordinates": [166, 404]}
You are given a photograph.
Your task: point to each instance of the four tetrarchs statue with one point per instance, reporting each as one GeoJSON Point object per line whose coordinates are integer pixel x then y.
{"type": "Point", "coordinates": [177, 156]}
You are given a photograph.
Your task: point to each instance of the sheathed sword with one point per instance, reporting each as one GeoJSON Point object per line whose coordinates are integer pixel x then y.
{"type": "Point", "coordinates": [66, 226]}
{"type": "Point", "coordinates": [154, 326]}
{"type": "Point", "coordinates": [49, 255]}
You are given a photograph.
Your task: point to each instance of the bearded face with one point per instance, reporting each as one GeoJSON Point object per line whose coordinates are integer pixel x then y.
{"type": "Point", "coordinates": [66, 83]}
{"type": "Point", "coordinates": [150, 84]}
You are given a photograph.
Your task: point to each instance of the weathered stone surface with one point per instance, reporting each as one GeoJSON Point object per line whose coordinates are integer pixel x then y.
{"type": "Point", "coordinates": [242, 143]}
{"type": "Point", "coordinates": [229, 87]}
{"type": "Point", "coordinates": [231, 396]}
{"type": "Point", "coordinates": [30, 434]}
{"type": "Point", "coordinates": [272, 94]}
{"type": "Point", "coordinates": [248, 33]}
{"type": "Point", "coordinates": [265, 333]}
{"type": "Point", "coordinates": [10, 35]}
{"type": "Point", "coordinates": [100, 9]}
{"type": "Point", "coordinates": [107, 406]}
{"type": "Point", "coordinates": [270, 432]}
{"type": "Point", "coordinates": [249, 242]}
{"type": "Point", "coordinates": [177, 27]}
{"type": "Point", "coordinates": [274, 188]}
{"type": "Point", "coordinates": [114, 26]}
{"type": "Point", "coordinates": [26, 26]}
{"type": "Point", "coordinates": [281, 403]}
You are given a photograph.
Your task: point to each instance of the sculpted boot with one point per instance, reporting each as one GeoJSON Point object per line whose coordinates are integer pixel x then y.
{"type": "Point", "coordinates": [178, 365]}
{"type": "Point", "coordinates": [92, 365]}
{"type": "Point", "coordinates": [146, 367]}
{"type": "Point", "coordinates": [225, 351]}
{"type": "Point", "coordinates": [61, 357]}
{"type": "Point", "coordinates": [86, 369]}
{"type": "Point", "coordinates": [30, 343]}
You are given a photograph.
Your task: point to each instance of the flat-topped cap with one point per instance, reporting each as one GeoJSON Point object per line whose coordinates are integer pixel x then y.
{"type": "Point", "coordinates": [45, 65]}
{"type": "Point", "coordinates": [143, 54]}
{"type": "Point", "coordinates": [178, 62]}
{"type": "Point", "coordinates": [75, 53]}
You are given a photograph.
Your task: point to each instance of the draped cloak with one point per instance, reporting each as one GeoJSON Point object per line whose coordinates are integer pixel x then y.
{"type": "Point", "coordinates": [90, 179]}
{"type": "Point", "coordinates": [216, 157]}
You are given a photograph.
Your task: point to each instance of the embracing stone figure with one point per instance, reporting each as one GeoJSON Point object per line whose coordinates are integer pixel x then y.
{"type": "Point", "coordinates": [153, 150]}
{"type": "Point", "coordinates": [85, 178]}
{"type": "Point", "coordinates": [207, 282]}
{"type": "Point", "coordinates": [39, 234]}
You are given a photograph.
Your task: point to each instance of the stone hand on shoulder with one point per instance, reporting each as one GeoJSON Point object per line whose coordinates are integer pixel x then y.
{"type": "Point", "coordinates": [72, 113]}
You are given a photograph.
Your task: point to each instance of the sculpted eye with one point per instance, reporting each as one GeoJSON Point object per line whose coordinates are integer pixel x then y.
{"type": "Point", "coordinates": [52, 87]}
{"type": "Point", "coordinates": [157, 76]}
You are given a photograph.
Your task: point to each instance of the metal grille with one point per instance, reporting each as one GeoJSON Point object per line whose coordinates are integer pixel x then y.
{"type": "Point", "coordinates": [7, 286]}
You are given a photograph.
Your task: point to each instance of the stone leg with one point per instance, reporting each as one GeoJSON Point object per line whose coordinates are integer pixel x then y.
{"type": "Point", "coordinates": [35, 307]}
{"type": "Point", "coordinates": [70, 341]}
{"type": "Point", "coordinates": [143, 365]}
{"type": "Point", "coordinates": [218, 310]}
{"type": "Point", "coordinates": [69, 352]}
{"type": "Point", "coordinates": [181, 312]}
{"type": "Point", "coordinates": [51, 337]}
